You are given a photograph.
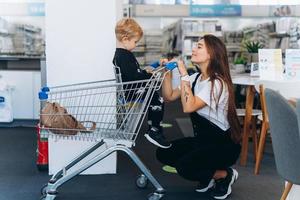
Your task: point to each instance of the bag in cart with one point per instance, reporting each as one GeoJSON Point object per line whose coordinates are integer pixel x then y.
{"type": "Point", "coordinates": [56, 117]}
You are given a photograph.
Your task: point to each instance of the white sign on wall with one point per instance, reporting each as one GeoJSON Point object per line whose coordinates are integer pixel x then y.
{"type": "Point", "coordinates": [292, 64]}
{"type": "Point", "coordinates": [270, 64]}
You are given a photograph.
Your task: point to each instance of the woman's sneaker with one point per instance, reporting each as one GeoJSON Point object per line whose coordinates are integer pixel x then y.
{"type": "Point", "coordinates": [223, 186]}
{"type": "Point", "coordinates": [156, 137]}
{"type": "Point", "coordinates": [169, 169]}
{"type": "Point", "coordinates": [205, 187]}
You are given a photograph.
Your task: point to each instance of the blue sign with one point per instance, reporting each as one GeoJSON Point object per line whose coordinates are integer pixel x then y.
{"type": "Point", "coordinates": [215, 10]}
{"type": "Point", "coordinates": [36, 9]}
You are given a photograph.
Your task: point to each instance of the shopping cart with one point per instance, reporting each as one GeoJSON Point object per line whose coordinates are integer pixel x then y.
{"type": "Point", "coordinates": [118, 110]}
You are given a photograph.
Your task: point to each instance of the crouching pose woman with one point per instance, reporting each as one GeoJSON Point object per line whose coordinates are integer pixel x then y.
{"type": "Point", "coordinates": [209, 98]}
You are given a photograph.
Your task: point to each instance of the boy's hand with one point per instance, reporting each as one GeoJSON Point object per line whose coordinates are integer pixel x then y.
{"type": "Point", "coordinates": [293, 101]}
{"type": "Point", "coordinates": [163, 61]}
{"type": "Point", "coordinates": [149, 69]}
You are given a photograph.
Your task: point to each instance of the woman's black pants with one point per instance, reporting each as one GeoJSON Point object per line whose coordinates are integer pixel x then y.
{"type": "Point", "coordinates": [197, 158]}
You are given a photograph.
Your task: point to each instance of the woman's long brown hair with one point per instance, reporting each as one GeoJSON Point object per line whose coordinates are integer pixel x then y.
{"type": "Point", "coordinates": [218, 69]}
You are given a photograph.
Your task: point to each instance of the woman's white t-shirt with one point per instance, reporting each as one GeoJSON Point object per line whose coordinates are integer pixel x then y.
{"type": "Point", "coordinates": [202, 89]}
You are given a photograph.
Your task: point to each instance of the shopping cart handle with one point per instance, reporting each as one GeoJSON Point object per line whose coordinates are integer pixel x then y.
{"type": "Point", "coordinates": [43, 95]}
{"type": "Point", "coordinates": [171, 65]}
{"type": "Point", "coordinates": [156, 64]}
{"type": "Point", "coordinates": [45, 89]}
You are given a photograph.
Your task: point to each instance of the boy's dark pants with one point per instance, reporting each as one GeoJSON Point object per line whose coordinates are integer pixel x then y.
{"type": "Point", "coordinates": [156, 110]}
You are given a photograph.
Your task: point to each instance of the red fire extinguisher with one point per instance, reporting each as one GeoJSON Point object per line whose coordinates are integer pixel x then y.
{"type": "Point", "coordinates": [42, 151]}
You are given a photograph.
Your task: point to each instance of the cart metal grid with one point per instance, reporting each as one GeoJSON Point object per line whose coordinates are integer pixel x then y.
{"type": "Point", "coordinates": [117, 109]}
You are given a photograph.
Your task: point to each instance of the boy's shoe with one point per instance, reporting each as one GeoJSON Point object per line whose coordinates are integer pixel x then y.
{"type": "Point", "coordinates": [157, 138]}
{"type": "Point", "coordinates": [204, 187]}
{"type": "Point", "coordinates": [223, 186]}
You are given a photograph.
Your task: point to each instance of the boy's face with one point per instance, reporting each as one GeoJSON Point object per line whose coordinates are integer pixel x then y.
{"type": "Point", "coordinates": [130, 44]}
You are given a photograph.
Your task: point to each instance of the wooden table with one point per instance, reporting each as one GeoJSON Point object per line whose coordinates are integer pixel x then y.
{"type": "Point", "coordinates": [247, 80]}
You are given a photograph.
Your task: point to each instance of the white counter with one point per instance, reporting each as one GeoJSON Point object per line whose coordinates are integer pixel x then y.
{"type": "Point", "coordinates": [294, 193]}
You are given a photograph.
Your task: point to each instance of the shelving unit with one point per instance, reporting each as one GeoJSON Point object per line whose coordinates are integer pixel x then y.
{"type": "Point", "coordinates": [233, 42]}
{"type": "Point", "coordinates": [149, 48]}
{"type": "Point", "coordinates": [26, 83]}
{"type": "Point", "coordinates": [139, 52]}
{"type": "Point", "coordinates": [20, 39]}
{"type": "Point", "coordinates": [153, 40]}
{"type": "Point", "coordinates": [295, 36]}
{"type": "Point", "coordinates": [279, 35]}
{"type": "Point", "coordinates": [181, 36]}
{"type": "Point", "coordinates": [144, 10]}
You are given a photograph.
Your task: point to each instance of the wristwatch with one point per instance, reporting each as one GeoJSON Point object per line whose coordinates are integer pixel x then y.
{"type": "Point", "coordinates": [185, 78]}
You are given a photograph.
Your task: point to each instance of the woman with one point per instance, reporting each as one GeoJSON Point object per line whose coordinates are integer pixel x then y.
{"type": "Point", "coordinates": [209, 98]}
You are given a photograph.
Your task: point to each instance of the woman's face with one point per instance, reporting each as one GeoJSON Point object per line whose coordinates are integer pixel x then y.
{"type": "Point", "coordinates": [199, 53]}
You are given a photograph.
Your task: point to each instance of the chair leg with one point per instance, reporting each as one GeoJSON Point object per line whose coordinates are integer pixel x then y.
{"type": "Point", "coordinates": [261, 145]}
{"type": "Point", "coordinates": [286, 191]}
{"type": "Point", "coordinates": [254, 137]}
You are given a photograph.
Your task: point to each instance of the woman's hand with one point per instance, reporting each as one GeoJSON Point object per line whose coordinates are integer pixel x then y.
{"type": "Point", "coordinates": [182, 68]}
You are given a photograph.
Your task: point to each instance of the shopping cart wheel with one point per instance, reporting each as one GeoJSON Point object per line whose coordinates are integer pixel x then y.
{"type": "Point", "coordinates": [141, 181]}
{"type": "Point", "coordinates": [155, 196]}
{"type": "Point", "coordinates": [44, 189]}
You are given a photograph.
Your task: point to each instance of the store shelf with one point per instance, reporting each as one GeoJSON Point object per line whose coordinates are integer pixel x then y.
{"type": "Point", "coordinates": [232, 47]}
{"type": "Point", "coordinates": [279, 34]}
{"type": "Point", "coordinates": [235, 50]}
{"type": "Point", "coordinates": [5, 33]}
{"type": "Point", "coordinates": [16, 57]}
{"type": "Point", "coordinates": [187, 53]}
{"type": "Point", "coordinates": [199, 34]}
{"type": "Point", "coordinates": [139, 51]}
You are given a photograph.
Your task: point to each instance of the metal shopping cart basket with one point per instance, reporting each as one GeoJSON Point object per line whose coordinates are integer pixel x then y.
{"type": "Point", "coordinates": [117, 109]}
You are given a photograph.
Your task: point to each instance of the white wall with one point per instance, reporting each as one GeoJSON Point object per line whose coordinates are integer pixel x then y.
{"type": "Point", "coordinates": [80, 45]}
{"type": "Point", "coordinates": [80, 40]}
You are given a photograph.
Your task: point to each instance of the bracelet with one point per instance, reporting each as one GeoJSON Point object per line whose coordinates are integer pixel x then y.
{"type": "Point", "coordinates": [185, 78]}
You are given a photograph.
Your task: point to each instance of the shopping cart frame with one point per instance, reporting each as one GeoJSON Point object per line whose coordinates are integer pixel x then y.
{"type": "Point", "coordinates": [49, 191]}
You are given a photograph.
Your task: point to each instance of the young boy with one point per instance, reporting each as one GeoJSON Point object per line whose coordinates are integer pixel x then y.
{"type": "Point", "coordinates": [128, 33]}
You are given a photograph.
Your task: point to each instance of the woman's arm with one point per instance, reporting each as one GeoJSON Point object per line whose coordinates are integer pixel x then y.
{"type": "Point", "coordinates": [190, 103]}
{"type": "Point", "coordinates": [168, 93]}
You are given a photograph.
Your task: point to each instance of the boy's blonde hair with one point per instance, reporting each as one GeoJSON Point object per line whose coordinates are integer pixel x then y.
{"type": "Point", "coordinates": [128, 27]}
